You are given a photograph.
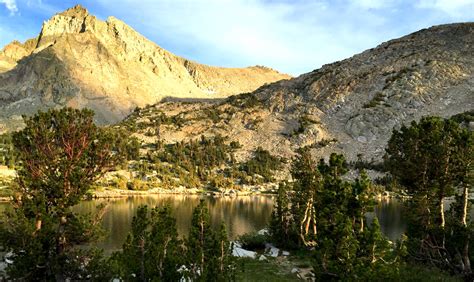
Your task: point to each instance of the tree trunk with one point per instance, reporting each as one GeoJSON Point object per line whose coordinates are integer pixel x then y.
{"type": "Point", "coordinates": [441, 211]}
{"type": "Point", "coordinates": [465, 199]}
{"type": "Point", "coordinates": [464, 213]}
{"type": "Point", "coordinates": [222, 257]}
{"type": "Point", "coordinates": [38, 225]}
{"type": "Point", "coordinates": [202, 247]}
{"type": "Point", "coordinates": [309, 216]}
{"type": "Point", "coordinates": [165, 249]}
{"type": "Point", "coordinates": [465, 257]}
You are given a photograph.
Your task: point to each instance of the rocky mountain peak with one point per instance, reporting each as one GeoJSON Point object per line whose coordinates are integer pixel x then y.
{"type": "Point", "coordinates": [73, 20]}
{"type": "Point", "coordinates": [81, 61]}
{"type": "Point", "coordinates": [77, 11]}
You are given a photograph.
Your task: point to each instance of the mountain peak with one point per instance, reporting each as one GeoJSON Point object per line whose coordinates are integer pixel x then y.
{"type": "Point", "coordinates": [73, 20]}
{"type": "Point", "coordinates": [76, 11]}
{"type": "Point", "coordinates": [81, 61]}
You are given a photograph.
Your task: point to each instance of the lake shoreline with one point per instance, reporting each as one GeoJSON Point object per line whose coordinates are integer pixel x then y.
{"type": "Point", "coordinates": [120, 194]}
{"type": "Point", "coordinates": [117, 193]}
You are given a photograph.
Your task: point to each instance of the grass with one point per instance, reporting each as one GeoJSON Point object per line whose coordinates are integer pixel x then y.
{"type": "Point", "coordinates": [279, 269]}
{"type": "Point", "coordinates": [413, 272]}
{"type": "Point", "coordinates": [267, 270]}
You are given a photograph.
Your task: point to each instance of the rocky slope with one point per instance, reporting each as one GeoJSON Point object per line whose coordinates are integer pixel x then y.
{"type": "Point", "coordinates": [78, 60]}
{"type": "Point", "coordinates": [349, 106]}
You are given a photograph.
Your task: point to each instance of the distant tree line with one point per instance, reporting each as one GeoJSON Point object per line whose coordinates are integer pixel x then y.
{"type": "Point", "coordinates": [7, 152]}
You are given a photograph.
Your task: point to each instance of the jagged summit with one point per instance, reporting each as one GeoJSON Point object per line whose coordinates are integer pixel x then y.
{"type": "Point", "coordinates": [78, 11]}
{"type": "Point", "coordinates": [81, 61]}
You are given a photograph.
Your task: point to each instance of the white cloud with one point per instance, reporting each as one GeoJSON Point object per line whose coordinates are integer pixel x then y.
{"type": "Point", "coordinates": [372, 4]}
{"type": "Point", "coordinates": [453, 8]}
{"type": "Point", "coordinates": [11, 6]}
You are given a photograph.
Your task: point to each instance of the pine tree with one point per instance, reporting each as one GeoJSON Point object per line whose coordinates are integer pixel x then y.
{"type": "Point", "coordinates": [281, 222]}
{"type": "Point", "coordinates": [152, 250]}
{"type": "Point", "coordinates": [432, 159]}
{"type": "Point", "coordinates": [208, 252]}
{"type": "Point", "coordinates": [200, 241]}
{"type": "Point", "coordinates": [307, 185]}
{"type": "Point", "coordinates": [61, 153]}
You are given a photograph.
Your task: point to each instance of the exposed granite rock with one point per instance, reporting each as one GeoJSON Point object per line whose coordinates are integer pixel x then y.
{"type": "Point", "coordinates": [353, 104]}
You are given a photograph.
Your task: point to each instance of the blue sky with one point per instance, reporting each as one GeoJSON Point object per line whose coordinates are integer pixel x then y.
{"type": "Point", "coordinates": [292, 36]}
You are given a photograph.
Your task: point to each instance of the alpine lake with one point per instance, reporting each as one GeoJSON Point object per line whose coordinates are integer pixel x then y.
{"type": "Point", "coordinates": [241, 214]}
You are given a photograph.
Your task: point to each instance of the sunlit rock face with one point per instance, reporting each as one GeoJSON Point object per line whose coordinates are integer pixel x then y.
{"type": "Point", "coordinates": [80, 61]}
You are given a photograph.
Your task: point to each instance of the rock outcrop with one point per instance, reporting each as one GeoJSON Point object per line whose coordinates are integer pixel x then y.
{"type": "Point", "coordinates": [78, 60]}
{"type": "Point", "coordinates": [350, 106]}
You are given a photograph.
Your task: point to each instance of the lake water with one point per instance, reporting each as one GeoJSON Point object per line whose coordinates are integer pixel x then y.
{"type": "Point", "coordinates": [241, 214]}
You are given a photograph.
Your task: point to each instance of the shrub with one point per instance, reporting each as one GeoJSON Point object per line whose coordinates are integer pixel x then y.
{"type": "Point", "coordinates": [253, 241]}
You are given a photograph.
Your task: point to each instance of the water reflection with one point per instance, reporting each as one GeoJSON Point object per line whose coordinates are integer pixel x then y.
{"type": "Point", "coordinates": [391, 219]}
{"type": "Point", "coordinates": [241, 214]}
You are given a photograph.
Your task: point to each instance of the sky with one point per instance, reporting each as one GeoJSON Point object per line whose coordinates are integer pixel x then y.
{"type": "Point", "coordinates": [292, 36]}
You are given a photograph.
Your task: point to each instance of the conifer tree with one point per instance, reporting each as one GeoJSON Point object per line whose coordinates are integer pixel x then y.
{"type": "Point", "coordinates": [307, 185]}
{"type": "Point", "coordinates": [432, 159]}
{"type": "Point", "coordinates": [208, 252]}
{"type": "Point", "coordinates": [61, 154]}
{"type": "Point", "coordinates": [281, 222]}
{"type": "Point", "coordinates": [152, 250]}
{"type": "Point", "coordinates": [344, 247]}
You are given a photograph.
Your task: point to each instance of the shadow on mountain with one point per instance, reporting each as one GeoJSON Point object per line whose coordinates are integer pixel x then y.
{"type": "Point", "coordinates": [191, 100]}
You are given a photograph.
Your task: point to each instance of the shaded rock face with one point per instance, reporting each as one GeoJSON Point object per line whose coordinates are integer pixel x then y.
{"type": "Point", "coordinates": [353, 105]}
{"type": "Point", "coordinates": [78, 60]}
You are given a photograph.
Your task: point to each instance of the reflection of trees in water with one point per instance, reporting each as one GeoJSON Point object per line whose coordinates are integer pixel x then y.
{"type": "Point", "coordinates": [240, 214]}
{"type": "Point", "coordinates": [391, 219]}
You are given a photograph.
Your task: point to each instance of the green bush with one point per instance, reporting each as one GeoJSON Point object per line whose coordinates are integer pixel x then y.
{"type": "Point", "coordinates": [378, 98]}
{"type": "Point", "coordinates": [137, 185]}
{"type": "Point", "coordinates": [253, 241]}
{"type": "Point", "coordinates": [263, 164]}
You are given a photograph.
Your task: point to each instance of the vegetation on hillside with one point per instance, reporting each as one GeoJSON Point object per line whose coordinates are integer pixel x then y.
{"type": "Point", "coordinates": [320, 215]}
{"type": "Point", "coordinates": [7, 153]}
{"type": "Point", "coordinates": [203, 163]}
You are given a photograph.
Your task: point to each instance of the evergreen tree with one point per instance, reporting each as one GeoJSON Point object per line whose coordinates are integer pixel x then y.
{"type": "Point", "coordinates": [208, 252]}
{"type": "Point", "coordinates": [307, 185]}
{"type": "Point", "coordinates": [281, 222]}
{"type": "Point", "coordinates": [333, 211]}
{"type": "Point", "coordinates": [432, 159]}
{"type": "Point", "coordinates": [61, 153]}
{"type": "Point", "coordinates": [152, 250]}
{"type": "Point", "coordinates": [346, 247]}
